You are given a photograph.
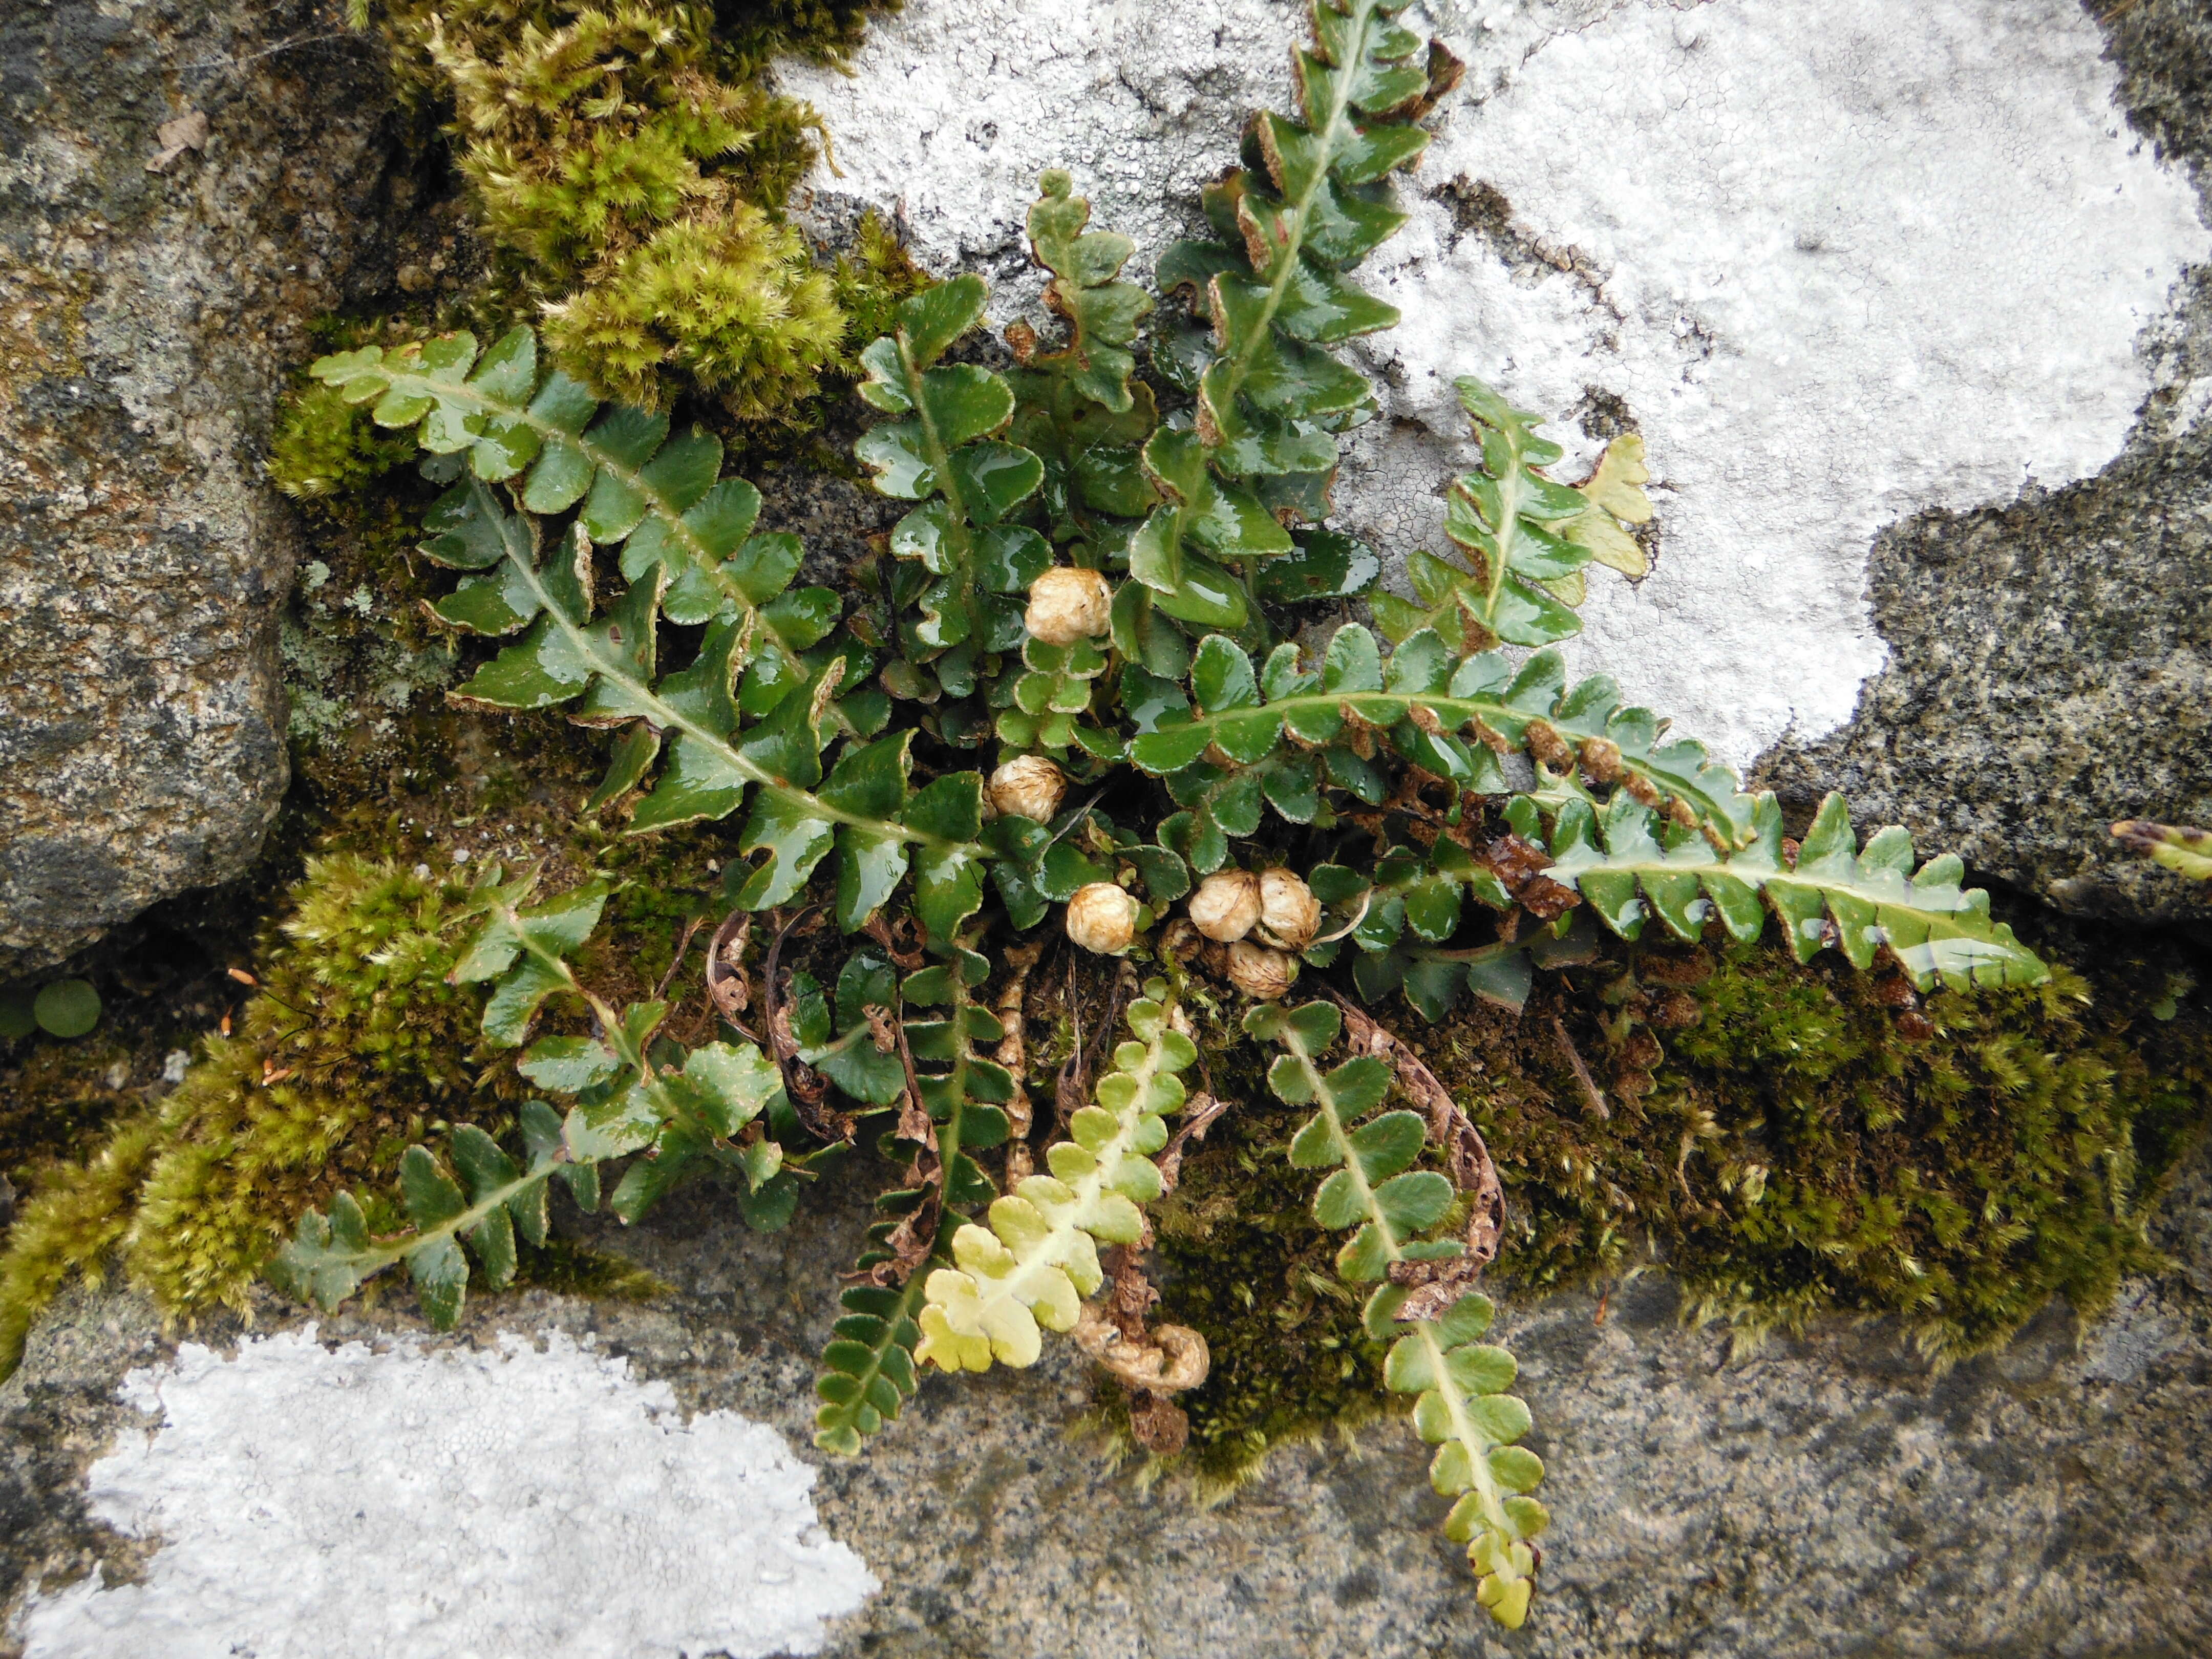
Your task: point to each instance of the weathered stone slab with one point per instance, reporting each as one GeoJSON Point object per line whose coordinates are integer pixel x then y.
{"type": "Point", "coordinates": [147, 322]}
{"type": "Point", "coordinates": [1826, 1498]}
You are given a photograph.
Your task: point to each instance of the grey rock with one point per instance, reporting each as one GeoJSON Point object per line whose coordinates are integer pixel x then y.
{"type": "Point", "coordinates": [147, 322]}
{"type": "Point", "coordinates": [1824, 1497]}
{"type": "Point", "coordinates": [2051, 662]}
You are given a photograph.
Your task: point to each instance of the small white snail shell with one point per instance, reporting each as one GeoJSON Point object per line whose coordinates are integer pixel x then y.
{"type": "Point", "coordinates": [1289, 915]}
{"type": "Point", "coordinates": [1226, 905]}
{"type": "Point", "coordinates": [1103, 918]}
{"type": "Point", "coordinates": [1028, 787]}
{"type": "Point", "coordinates": [1259, 972]}
{"type": "Point", "coordinates": [1067, 604]}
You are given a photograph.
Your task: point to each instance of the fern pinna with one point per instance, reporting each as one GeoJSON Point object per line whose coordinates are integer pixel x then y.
{"type": "Point", "coordinates": [1103, 558]}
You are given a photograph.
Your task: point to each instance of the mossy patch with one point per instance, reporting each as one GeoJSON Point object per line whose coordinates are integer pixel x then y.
{"type": "Point", "coordinates": [1799, 1151]}
{"type": "Point", "coordinates": [352, 1046]}
{"type": "Point", "coordinates": [1242, 1261]}
{"type": "Point", "coordinates": [1806, 1146]}
{"type": "Point", "coordinates": [629, 164]}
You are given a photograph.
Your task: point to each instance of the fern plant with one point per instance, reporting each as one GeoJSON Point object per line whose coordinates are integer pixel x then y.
{"type": "Point", "coordinates": [1098, 575]}
{"type": "Point", "coordinates": [2175, 846]}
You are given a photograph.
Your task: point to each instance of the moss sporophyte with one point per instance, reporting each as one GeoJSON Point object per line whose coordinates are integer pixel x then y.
{"type": "Point", "coordinates": [1250, 1015]}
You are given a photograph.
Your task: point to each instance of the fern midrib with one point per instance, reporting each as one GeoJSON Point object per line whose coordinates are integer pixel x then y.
{"type": "Point", "coordinates": [958, 531]}
{"type": "Point", "coordinates": [1761, 875]}
{"type": "Point", "coordinates": [948, 1133]}
{"type": "Point", "coordinates": [377, 1257]}
{"type": "Point", "coordinates": [668, 717]}
{"type": "Point", "coordinates": [901, 1312]}
{"type": "Point", "coordinates": [1475, 953]}
{"type": "Point", "coordinates": [1456, 713]}
{"type": "Point", "coordinates": [1512, 489]}
{"type": "Point", "coordinates": [694, 551]}
{"type": "Point", "coordinates": [1286, 259]}
{"type": "Point", "coordinates": [1463, 1429]}
{"type": "Point", "coordinates": [1088, 1187]}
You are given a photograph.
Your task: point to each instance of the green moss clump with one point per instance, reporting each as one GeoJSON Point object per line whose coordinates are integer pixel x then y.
{"type": "Point", "coordinates": [632, 166]}
{"type": "Point", "coordinates": [352, 1046]}
{"type": "Point", "coordinates": [79, 1215]}
{"type": "Point", "coordinates": [827, 31]}
{"type": "Point", "coordinates": [734, 306]}
{"type": "Point", "coordinates": [355, 1044]}
{"type": "Point", "coordinates": [326, 447]}
{"type": "Point", "coordinates": [1799, 1153]}
{"type": "Point", "coordinates": [1240, 1260]}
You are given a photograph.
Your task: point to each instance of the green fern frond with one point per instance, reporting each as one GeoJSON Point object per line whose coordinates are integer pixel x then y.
{"type": "Point", "coordinates": [627, 1100]}
{"type": "Point", "coordinates": [1627, 867]}
{"type": "Point", "coordinates": [1291, 730]}
{"type": "Point", "coordinates": [871, 1367]}
{"type": "Point", "coordinates": [869, 1370]}
{"type": "Point", "coordinates": [943, 450]}
{"type": "Point", "coordinates": [1038, 1258]}
{"type": "Point", "coordinates": [1101, 311]}
{"type": "Point", "coordinates": [1527, 538]}
{"type": "Point", "coordinates": [1460, 1406]}
{"type": "Point", "coordinates": [758, 706]}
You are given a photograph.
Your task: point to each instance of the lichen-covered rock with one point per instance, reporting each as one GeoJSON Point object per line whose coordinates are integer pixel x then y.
{"type": "Point", "coordinates": [2051, 661]}
{"type": "Point", "coordinates": [1825, 1496]}
{"type": "Point", "coordinates": [182, 188]}
{"type": "Point", "coordinates": [1864, 279]}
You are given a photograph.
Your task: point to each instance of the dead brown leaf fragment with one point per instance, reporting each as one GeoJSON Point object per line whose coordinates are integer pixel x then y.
{"type": "Point", "coordinates": [188, 132]}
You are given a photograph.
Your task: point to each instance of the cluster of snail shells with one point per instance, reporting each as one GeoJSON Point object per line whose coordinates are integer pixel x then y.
{"type": "Point", "coordinates": [1274, 908]}
{"type": "Point", "coordinates": [1263, 920]}
{"type": "Point", "coordinates": [1253, 924]}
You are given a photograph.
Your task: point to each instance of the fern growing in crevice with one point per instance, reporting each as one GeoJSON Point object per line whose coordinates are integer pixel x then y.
{"type": "Point", "coordinates": [635, 1093]}
{"type": "Point", "coordinates": [871, 1365]}
{"type": "Point", "coordinates": [1527, 538]}
{"type": "Point", "coordinates": [1101, 572]}
{"type": "Point", "coordinates": [1460, 1382]}
{"type": "Point", "coordinates": [944, 452]}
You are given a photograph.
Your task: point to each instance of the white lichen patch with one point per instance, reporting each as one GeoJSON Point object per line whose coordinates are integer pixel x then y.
{"type": "Point", "coordinates": [534, 1503]}
{"type": "Point", "coordinates": [1839, 265]}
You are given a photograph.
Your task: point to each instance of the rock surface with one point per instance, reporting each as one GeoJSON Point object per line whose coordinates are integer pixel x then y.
{"type": "Point", "coordinates": [147, 322]}
{"type": "Point", "coordinates": [1830, 1497]}
{"type": "Point", "coordinates": [2051, 661]}
{"type": "Point", "coordinates": [1856, 277]}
